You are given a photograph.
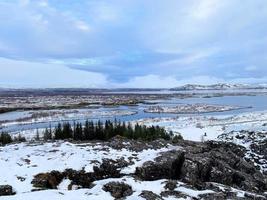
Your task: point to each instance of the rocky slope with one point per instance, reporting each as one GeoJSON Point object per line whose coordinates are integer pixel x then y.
{"type": "Point", "coordinates": [128, 169]}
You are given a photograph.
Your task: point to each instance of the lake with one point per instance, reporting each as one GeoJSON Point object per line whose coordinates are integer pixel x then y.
{"type": "Point", "coordinates": [257, 103]}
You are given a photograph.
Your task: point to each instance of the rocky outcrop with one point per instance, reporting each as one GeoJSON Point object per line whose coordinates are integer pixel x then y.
{"type": "Point", "coordinates": [108, 169]}
{"type": "Point", "coordinates": [148, 195]}
{"type": "Point", "coordinates": [81, 179]}
{"type": "Point", "coordinates": [118, 189]}
{"type": "Point", "coordinates": [199, 163]}
{"type": "Point", "coordinates": [47, 180]}
{"type": "Point", "coordinates": [6, 190]}
{"type": "Point", "coordinates": [167, 166]}
{"type": "Point", "coordinates": [119, 142]}
{"type": "Point", "coordinates": [255, 143]}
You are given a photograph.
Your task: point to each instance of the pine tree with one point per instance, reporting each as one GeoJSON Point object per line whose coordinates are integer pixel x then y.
{"type": "Point", "coordinates": [58, 132]}
{"type": "Point", "coordinates": [5, 138]}
{"type": "Point", "coordinates": [78, 134]}
{"type": "Point", "coordinates": [130, 131]}
{"type": "Point", "coordinates": [37, 137]}
{"type": "Point", "coordinates": [67, 131]}
{"type": "Point", "coordinates": [47, 135]}
{"type": "Point", "coordinates": [86, 130]}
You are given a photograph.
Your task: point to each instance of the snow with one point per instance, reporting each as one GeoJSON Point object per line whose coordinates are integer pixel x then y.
{"type": "Point", "coordinates": [192, 108]}
{"type": "Point", "coordinates": [26, 160]}
{"type": "Point", "coordinates": [203, 128]}
{"type": "Point", "coordinates": [64, 184]}
{"type": "Point", "coordinates": [193, 193]}
{"type": "Point", "coordinates": [96, 193]}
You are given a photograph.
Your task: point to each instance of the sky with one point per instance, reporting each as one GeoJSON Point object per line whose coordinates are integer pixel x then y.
{"type": "Point", "coordinates": [132, 43]}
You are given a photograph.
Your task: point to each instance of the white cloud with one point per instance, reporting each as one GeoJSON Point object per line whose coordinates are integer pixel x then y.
{"type": "Point", "coordinates": [251, 68]}
{"type": "Point", "coordinates": [203, 37]}
{"type": "Point", "coordinates": [156, 81]}
{"type": "Point", "coordinates": [204, 9]}
{"type": "Point", "coordinates": [82, 26]}
{"type": "Point", "coordinates": [21, 74]}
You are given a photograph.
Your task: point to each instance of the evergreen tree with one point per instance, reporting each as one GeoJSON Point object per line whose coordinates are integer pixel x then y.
{"type": "Point", "coordinates": [5, 138]}
{"type": "Point", "coordinates": [67, 131]}
{"type": "Point", "coordinates": [58, 132]}
{"type": "Point", "coordinates": [130, 131]}
{"type": "Point", "coordinates": [78, 134]}
{"type": "Point", "coordinates": [47, 134]}
{"type": "Point", "coordinates": [37, 137]}
{"type": "Point", "coordinates": [86, 131]}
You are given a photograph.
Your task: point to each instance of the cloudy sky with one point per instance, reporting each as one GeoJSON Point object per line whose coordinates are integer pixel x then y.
{"type": "Point", "coordinates": [132, 43]}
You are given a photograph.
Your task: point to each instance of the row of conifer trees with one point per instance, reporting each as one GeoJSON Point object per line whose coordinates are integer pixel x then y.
{"type": "Point", "coordinates": [104, 130]}
{"type": "Point", "coordinates": [6, 138]}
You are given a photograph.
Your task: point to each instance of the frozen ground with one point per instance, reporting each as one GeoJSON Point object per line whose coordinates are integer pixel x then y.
{"type": "Point", "coordinates": [199, 128]}
{"type": "Point", "coordinates": [26, 160]}
{"type": "Point", "coordinates": [248, 130]}
{"type": "Point", "coordinates": [20, 162]}
{"type": "Point", "coordinates": [60, 115]}
{"type": "Point", "coordinates": [192, 108]}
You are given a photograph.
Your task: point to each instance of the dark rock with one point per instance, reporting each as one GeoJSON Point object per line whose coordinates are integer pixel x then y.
{"type": "Point", "coordinates": [108, 169]}
{"type": "Point", "coordinates": [21, 178]}
{"type": "Point", "coordinates": [175, 194]}
{"type": "Point", "coordinates": [212, 196]}
{"type": "Point", "coordinates": [118, 189]}
{"type": "Point", "coordinates": [6, 190]}
{"type": "Point", "coordinates": [171, 185]}
{"type": "Point", "coordinates": [168, 166]}
{"type": "Point", "coordinates": [254, 197]}
{"type": "Point", "coordinates": [47, 180]}
{"type": "Point", "coordinates": [198, 164]}
{"type": "Point", "coordinates": [148, 195]}
{"type": "Point", "coordinates": [119, 142]}
{"type": "Point", "coordinates": [79, 178]}
{"type": "Point", "coordinates": [82, 179]}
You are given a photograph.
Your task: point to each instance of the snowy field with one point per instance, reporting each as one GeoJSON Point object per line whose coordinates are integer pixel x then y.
{"type": "Point", "coordinates": [20, 162]}
{"type": "Point", "coordinates": [60, 115]}
{"type": "Point", "coordinates": [199, 128]}
{"type": "Point", "coordinates": [192, 108]}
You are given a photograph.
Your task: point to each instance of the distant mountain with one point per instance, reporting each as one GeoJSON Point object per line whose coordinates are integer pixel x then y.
{"type": "Point", "coordinates": [219, 86]}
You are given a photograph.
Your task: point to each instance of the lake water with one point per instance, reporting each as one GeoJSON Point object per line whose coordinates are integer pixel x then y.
{"type": "Point", "coordinates": [257, 103]}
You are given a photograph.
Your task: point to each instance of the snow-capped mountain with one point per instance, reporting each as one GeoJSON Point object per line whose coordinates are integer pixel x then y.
{"type": "Point", "coordinates": [219, 86]}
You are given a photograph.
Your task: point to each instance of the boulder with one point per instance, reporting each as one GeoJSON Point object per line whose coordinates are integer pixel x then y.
{"type": "Point", "coordinates": [108, 169]}
{"type": "Point", "coordinates": [47, 180]}
{"type": "Point", "coordinates": [166, 166]}
{"type": "Point", "coordinates": [79, 178]}
{"type": "Point", "coordinates": [6, 190]}
{"type": "Point", "coordinates": [148, 195]}
{"type": "Point", "coordinates": [171, 185]}
{"type": "Point", "coordinates": [118, 189]}
{"type": "Point", "coordinates": [199, 163]}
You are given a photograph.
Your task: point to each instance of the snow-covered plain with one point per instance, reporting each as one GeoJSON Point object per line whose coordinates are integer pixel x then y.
{"type": "Point", "coordinates": [20, 162]}
{"type": "Point", "coordinates": [26, 160]}
{"type": "Point", "coordinates": [63, 114]}
{"type": "Point", "coordinates": [199, 128]}
{"type": "Point", "coordinates": [192, 108]}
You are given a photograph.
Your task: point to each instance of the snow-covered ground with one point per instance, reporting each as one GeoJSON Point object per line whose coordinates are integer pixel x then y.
{"type": "Point", "coordinates": [20, 162]}
{"type": "Point", "coordinates": [26, 160]}
{"type": "Point", "coordinates": [199, 128]}
{"type": "Point", "coordinates": [248, 130]}
{"type": "Point", "coordinates": [64, 114]}
{"type": "Point", "coordinates": [192, 108]}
